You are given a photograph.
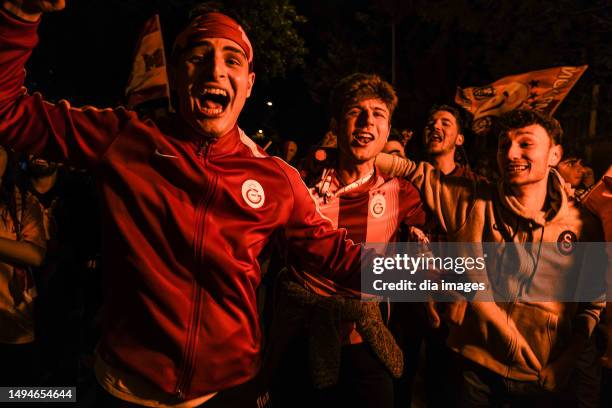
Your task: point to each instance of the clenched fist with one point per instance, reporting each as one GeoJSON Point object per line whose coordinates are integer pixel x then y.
{"type": "Point", "coordinates": [32, 9]}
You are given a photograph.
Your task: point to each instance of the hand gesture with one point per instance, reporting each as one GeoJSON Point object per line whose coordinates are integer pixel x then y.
{"type": "Point", "coordinates": [556, 375]}
{"type": "Point", "coordinates": [32, 9]}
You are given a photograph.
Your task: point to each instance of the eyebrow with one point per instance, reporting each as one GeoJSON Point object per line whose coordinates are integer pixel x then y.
{"type": "Point", "coordinates": [227, 48]}
{"type": "Point", "coordinates": [237, 50]}
{"type": "Point", "coordinates": [376, 109]}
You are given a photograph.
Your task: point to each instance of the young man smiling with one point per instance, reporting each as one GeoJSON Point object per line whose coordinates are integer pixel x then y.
{"type": "Point", "coordinates": [187, 211]}
{"type": "Point", "coordinates": [509, 350]}
{"type": "Point", "coordinates": [371, 208]}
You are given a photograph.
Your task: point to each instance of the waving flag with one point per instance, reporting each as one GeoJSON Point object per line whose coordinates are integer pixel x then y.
{"type": "Point", "coordinates": [542, 90]}
{"type": "Point", "coordinates": [149, 78]}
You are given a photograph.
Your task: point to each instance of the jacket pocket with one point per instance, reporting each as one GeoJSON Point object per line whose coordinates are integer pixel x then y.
{"type": "Point", "coordinates": [538, 330]}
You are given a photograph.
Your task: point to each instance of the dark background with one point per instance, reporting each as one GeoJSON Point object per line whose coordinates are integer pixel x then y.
{"type": "Point", "coordinates": [85, 55]}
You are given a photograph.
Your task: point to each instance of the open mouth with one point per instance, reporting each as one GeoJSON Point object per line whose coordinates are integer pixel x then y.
{"type": "Point", "coordinates": [40, 162]}
{"type": "Point", "coordinates": [435, 138]}
{"type": "Point", "coordinates": [363, 138]}
{"type": "Point", "coordinates": [514, 168]}
{"type": "Point", "coordinates": [213, 101]}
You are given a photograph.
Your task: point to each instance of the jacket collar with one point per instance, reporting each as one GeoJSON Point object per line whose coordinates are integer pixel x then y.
{"type": "Point", "coordinates": [330, 186]}
{"type": "Point", "coordinates": [218, 146]}
{"type": "Point", "coordinates": [556, 200]}
{"type": "Point", "coordinates": [224, 144]}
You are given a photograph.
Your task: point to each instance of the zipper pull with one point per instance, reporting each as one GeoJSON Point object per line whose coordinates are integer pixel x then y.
{"type": "Point", "coordinates": [203, 148]}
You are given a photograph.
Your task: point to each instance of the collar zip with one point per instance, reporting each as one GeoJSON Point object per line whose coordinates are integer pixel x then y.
{"type": "Point", "coordinates": [203, 147]}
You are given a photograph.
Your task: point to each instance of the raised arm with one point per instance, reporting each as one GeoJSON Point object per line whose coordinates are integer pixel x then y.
{"type": "Point", "coordinates": [31, 10]}
{"type": "Point", "coordinates": [21, 253]}
{"type": "Point", "coordinates": [450, 198]}
{"type": "Point", "coordinates": [30, 124]}
{"type": "Point", "coordinates": [320, 254]}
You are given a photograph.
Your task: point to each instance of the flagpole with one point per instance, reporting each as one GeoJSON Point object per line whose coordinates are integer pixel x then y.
{"type": "Point", "coordinates": [393, 56]}
{"type": "Point", "coordinates": [170, 107]}
{"type": "Point", "coordinates": [593, 117]}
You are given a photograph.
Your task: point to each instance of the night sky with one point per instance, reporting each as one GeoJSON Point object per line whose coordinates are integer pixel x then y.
{"type": "Point", "coordinates": [85, 55]}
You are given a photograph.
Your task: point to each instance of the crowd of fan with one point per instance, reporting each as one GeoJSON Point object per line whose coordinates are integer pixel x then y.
{"type": "Point", "coordinates": [202, 230]}
{"type": "Point", "coordinates": [56, 207]}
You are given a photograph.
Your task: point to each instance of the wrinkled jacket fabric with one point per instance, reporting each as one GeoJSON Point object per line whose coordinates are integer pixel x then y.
{"type": "Point", "coordinates": [184, 221]}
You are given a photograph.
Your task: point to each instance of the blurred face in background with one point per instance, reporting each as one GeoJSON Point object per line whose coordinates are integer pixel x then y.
{"type": "Point", "coordinates": [588, 178]}
{"type": "Point", "coordinates": [290, 149]}
{"type": "Point", "coordinates": [395, 148]}
{"type": "Point", "coordinates": [40, 168]}
{"type": "Point", "coordinates": [572, 170]}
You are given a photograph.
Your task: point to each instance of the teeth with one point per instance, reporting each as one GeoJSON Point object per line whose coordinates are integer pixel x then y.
{"type": "Point", "coordinates": [436, 137]}
{"type": "Point", "coordinates": [214, 91]}
{"type": "Point", "coordinates": [210, 111]}
{"type": "Point", "coordinates": [517, 167]}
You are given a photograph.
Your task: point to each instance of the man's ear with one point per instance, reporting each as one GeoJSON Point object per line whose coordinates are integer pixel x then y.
{"type": "Point", "coordinates": [554, 155]}
{"type": "Point", "coordinates": [250, 83]}
{"type": "Point", "coordinates": [460, 139]}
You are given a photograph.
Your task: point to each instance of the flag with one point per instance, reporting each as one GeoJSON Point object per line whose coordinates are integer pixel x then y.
{"type": "Point", "coordinates": [542, 90]}
{"type": "Point", "coordinates": [149, 78]}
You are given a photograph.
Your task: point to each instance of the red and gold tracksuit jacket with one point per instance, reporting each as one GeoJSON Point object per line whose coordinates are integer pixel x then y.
{"type": "Point", "coordinates": [372, 209]}
{"type": "Point", "coordinates": [183, 224]}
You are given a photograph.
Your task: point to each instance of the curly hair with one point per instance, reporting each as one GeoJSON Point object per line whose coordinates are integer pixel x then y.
{"type": "Point", "coordinates": [357, 87]}
{"type": "Point", "coordinates": [517, 119]}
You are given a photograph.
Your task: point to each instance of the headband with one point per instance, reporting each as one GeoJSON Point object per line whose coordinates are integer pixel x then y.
{"type": "Point", "coordinates": [214, 25]}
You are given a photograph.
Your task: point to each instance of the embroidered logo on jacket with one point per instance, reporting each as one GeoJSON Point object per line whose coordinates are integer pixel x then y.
{"type": "Point", "coordinates": [378, 205]}
{"type": "Point", "coordinates": [253, 194]}
{"type": "Point", "coordinates": [566, 242]}
{"type": "Point", "coordinates": [168, 156]}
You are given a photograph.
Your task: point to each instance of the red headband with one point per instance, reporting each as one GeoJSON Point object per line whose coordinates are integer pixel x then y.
{"type": "Point", "coordinates": [214, 25]}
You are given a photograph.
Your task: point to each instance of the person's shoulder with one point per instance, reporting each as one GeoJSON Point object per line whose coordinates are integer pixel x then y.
{"type": "Point", "coordinates": [288, 170]}
{"type": "Point", "coordinates": [405, 186]}
{"type": "Point", "coordinates": [461, 171]}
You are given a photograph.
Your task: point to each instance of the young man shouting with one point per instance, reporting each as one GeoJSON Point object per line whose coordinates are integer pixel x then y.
{"type": "Point", "coordinates": [351, 361]}
{"type": "Point", "coordinates": [187, 211]}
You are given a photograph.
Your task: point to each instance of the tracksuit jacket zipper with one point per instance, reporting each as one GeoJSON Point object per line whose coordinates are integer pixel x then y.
{"type": "Point", "coordinates": [187, 365]}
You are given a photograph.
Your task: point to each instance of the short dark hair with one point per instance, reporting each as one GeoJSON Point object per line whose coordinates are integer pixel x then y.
{"type": "Point", "coordinates": [521, 118]}
{"type": "Point", "coordinates": [461, 115]}
{"type": "Point", "coordinates": [395, 135]}
{"type": "Point", "coordinates": [359, 86]}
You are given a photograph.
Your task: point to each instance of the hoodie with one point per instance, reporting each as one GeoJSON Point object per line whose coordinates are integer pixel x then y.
{"type": "Point", "coordinates": [515, 339]}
